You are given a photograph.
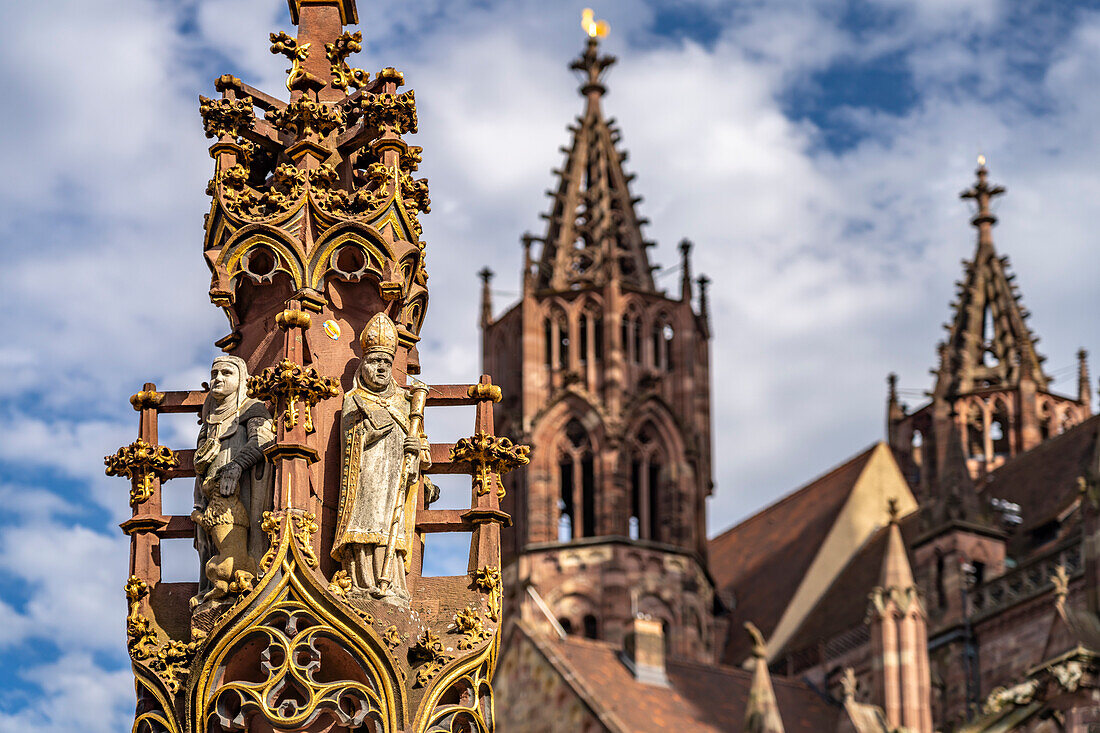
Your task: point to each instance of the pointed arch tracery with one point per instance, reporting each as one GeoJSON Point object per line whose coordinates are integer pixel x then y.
{"type": "Point", "coordinates": [571, 433]}
{"type": "Point", "coordinates": [654, 458]}
{"type": "Point", "coordinates": [631, 333]}
{"type": "Point", "coordinates": [661, 336]}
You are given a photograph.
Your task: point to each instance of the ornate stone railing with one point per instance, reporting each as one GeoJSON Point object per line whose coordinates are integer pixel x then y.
{"type": "Point", "coordinates": [811, 656]}
{"type": "Point", "coordinates": [1025, 581]}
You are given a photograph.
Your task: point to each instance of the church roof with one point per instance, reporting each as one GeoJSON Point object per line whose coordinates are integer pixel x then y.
{"type": "Point", "coordinates": [1043, 481]}
{"type": "Point", "coordinates": [593, 232]}
{"type": "Point", "coordinates": [783, 537]}
{"type": "Point", "coordinates": [844, 606]}
{"type": "Point", "coordinates": [700, 697]}
{"type": "Point", "coordinates": [765, 562]}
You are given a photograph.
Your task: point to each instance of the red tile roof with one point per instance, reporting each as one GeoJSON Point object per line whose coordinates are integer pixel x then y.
{"type": "Point", "coordinates": [701, 698]}
{"type": "Point", "coordinates": [763, 559]}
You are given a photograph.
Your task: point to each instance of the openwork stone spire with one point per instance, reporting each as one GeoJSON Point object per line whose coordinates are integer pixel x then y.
{"type": "Point", "coordinates": [991, 399]}
{"type": "Point", "coordinates": [593, 232]}
{"type": "Point", "coordinates": [327, 177]}
{"type": "Point", "coordinates": [989, 343]}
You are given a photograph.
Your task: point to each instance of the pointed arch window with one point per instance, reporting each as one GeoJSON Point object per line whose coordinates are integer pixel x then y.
{"type": "Point", "coordinates": [632, 338]}
{"type": "Point", "coordinates": [647, 466]}
{"type": "Point", "coordinates": [597, 337]}
{"type": "Point", "coordinates": [591, 335]}
{"type": "Point", "coordinates": [582, 339]}
{"type": "Point", "coordinates": [661, 341]}
{"type": "Point", "coordinates": [556, 338]}
{"type": "Point", "coordinates": [591, 627]}
{"type": "Point", "coordinates": [577, 484]}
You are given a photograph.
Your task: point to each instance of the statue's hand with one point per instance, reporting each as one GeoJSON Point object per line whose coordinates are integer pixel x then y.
{"type": "Point", "coordinates": [412, 444]}
{"type": "Point", "coordinates": [196, 515]}
{"type": "Point", "coordinates": [228, 478]}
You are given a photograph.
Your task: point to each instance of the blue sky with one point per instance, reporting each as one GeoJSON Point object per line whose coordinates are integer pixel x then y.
{"type": "Point", "coordinates": [812, 149]}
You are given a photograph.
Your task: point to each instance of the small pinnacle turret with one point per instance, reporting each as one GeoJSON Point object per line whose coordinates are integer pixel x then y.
{"type": "Point", "coordinates": [1083, 395]}
{"type": "Point", "coordinates": [486, 276]}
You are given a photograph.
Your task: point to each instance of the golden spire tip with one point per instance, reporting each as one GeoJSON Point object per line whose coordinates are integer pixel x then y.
{"type": "Point", "coordinates": [594, 28]}
{"type": "Point", "coordinates": [981, 160]}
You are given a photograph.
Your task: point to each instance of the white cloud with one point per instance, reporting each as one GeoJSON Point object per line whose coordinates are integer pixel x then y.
{"type": "Point", "coordinates": [75, 577]}
{"type": "Point", "coordinates": [74, 687]}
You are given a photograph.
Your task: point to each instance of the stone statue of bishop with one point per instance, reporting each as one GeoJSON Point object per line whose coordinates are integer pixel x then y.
{"type": "Point", "coordinates": [384, 449]}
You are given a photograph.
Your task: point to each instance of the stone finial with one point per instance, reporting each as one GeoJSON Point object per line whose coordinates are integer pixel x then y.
{"type": "Point", "coordinates": [486, 276]}
{"type": "Point", "coordinates": [1083, 396]}
{"type": "Point", "coordinates": [848, 685]}
{"type": "Point", "coordinates": [762, 710]}
{"type": "Point", "coordinates": [590, 63]}
{"type": "Point", "coordinates": [704, 283]}
{"type": "Point", "coordinates": [982, 194]}
{"type": "Point", "coordinates": [685, 270]}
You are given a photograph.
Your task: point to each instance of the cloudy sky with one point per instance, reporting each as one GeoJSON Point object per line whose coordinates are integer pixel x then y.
{"type": "Point", "coordinates": [812, 149]}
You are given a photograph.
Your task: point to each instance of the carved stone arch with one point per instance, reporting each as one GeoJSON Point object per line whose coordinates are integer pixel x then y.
{"type": "Point", "coordinates": [662, 332]}
{"type": "Point", "coordinates": [591, 325]}
{"type": "Point", "coordinates": [550, 422]}
{"type": "Point", "coordinates": [1001, 420]}
{"type": "Point", "coordinates": [656, 410]}
{"type": "Point", "coordinates": [659, 476]}
{"type": "Point", "coordinates": [575, 607]}
{"type": "Point", "coordinates": [569, 496]}
{"type": "Point", "coordinates": [414, 310]}
{"type": "Point", "coordinates": [234, 258]}
{"type": "Point", "coordinates": [330, 255]}
{"type": "Point", "coordinates": [293, 656]}
{"type": "Point", "coordinates": [1047, 412]}
{"type": "Point", "coordinates": [556, 334]}
{"type": "Point", "coordinates": [631, 330]}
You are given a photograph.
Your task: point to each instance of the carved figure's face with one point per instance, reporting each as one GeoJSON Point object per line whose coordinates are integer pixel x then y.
{"type": "Point", "coordinates": [224, 379]}
{"type": "Point", "coordinates": [376, 370]}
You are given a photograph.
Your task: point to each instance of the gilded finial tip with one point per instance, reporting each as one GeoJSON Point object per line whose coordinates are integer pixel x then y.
{"type": "Point", "coordinates": [981, 161]}
{"type": "Point", "coordinates": [594, 28]}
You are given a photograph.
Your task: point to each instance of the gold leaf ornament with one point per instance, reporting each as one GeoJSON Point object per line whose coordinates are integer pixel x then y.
{"type": "Point", "coordinates": [490, 456]}
{"type": "Point", "coordinates": [141, 462]}
{"type": "Point", "coordinates": [289, 383]}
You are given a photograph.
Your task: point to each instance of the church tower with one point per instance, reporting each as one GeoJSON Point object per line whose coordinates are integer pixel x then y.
{"type": "Point", "coordinates": [991, 393]}
{"type": "Point", "coordinates": [991, 402]}
{"type": "Point", "coordinates": [607, 377]}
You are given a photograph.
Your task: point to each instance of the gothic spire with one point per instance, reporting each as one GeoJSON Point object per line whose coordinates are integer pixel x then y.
{"type": "Point", "coordinates": [593, 232]}
{"type": "Point", "coordinates": [989, 328]}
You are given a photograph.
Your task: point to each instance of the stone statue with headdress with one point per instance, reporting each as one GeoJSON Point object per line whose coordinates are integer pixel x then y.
{"type": "Point", "coordinates": [233, 483]}
{"type": "Point", "coordinates": [384, 450]}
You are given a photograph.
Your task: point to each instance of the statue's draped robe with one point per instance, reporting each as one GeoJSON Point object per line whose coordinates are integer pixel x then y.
{"type": "Point", "coordinates": [241, 440]}
{"type": "Point", "coordinates": [371, 475]}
